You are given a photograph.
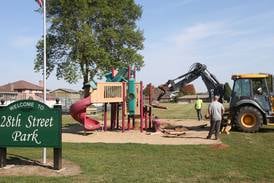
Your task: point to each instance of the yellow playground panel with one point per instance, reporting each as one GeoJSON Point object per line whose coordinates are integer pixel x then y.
{"type": "Point", "coordinates": [113, 92]}
{"type": "Point", "coordinates": [107, 92]}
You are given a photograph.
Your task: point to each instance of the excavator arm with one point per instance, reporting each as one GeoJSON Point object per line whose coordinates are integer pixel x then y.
{"type": "Point", "coordinates": [197, 70]}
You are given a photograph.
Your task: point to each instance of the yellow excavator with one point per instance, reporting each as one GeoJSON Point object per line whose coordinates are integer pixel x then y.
{"type": "Point", "coordinates": [251, 100]}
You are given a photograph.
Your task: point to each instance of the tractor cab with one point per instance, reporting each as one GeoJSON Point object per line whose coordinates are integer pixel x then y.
{"type": "Point", "coordinates": [252, 101]}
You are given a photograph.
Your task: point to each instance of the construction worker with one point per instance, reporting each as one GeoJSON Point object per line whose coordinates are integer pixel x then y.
{"type": "Point", "coordinates": [198, 108]}
{"type": "Point", "coordinates": [215, 111]}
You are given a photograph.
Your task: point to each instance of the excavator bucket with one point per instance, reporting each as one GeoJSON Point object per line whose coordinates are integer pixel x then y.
{"type": "Point", "coordinates": [155, 95]}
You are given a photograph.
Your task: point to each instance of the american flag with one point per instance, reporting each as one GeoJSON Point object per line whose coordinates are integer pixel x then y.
{"type": "Point", "coordinates": [40, 2]}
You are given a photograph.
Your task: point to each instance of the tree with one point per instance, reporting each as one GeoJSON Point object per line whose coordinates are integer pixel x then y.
{"type": "Point", "coordinates": [227, 92]}
{"type": "Point", "coordinates": [188, 90]}
{"type": "Point", "coordinates": [89, 37]}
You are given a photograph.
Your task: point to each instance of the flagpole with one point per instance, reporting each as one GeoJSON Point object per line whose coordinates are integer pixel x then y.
{"type": "Point", "coordinates": [45, 69]}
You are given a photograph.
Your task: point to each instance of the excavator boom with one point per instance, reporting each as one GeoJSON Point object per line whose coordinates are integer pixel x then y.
{"type": "Point", "coordinates": [197, 70]}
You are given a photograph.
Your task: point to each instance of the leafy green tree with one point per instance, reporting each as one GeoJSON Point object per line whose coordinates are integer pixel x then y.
{"type": "Point", "coordinates": [89, 37]}
{"type": "Point", "coordinates": [227, 92]}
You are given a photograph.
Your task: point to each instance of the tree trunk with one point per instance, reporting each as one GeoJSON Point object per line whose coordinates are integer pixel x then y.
{"type": "Point", "coordinates": [86, 85]}
{"type": "Point", "coordinates": [86, 91]}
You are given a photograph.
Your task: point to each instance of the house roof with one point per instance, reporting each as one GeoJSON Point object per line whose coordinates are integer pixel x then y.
{"type": "Point", "coordinates": [65, 90]}
{"type": "Point", "coordinates": [19, 85]}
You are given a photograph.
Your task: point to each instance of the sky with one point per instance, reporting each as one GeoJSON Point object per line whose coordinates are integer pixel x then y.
{"type": "Point", "coordinates": [235, 36]}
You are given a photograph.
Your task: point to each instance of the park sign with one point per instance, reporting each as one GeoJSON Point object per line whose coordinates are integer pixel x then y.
{"type": "Point", "coordinates": [30, 123]}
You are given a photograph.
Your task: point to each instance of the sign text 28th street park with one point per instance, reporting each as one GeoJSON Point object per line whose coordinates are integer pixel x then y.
{"type": "Point", "coordinates": [29, 123]}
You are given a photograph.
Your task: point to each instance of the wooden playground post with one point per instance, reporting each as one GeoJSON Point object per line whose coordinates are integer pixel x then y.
{"type": "Point", "coordinates": [150, 117]}
{"type": "Point", "coordinates": [133, 121]}
{"type": "Point", "coordinates": [128, 122]}
{"type": "Point", "coordinates": [145, 113]}
{"type": "Point", "coordinates": [105, 116]}
{"type": "Point", "coordinates": [117, 115]}
{"type": "Point", "coordinates": [141, 106]}
{"type": "Point", "coordinates": [112, 116]}
{"type": "Point", "coordinates": [123, 106]}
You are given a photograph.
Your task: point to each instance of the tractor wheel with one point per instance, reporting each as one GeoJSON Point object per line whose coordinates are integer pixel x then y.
{"type": "Point", "coordinates": [248, 119]}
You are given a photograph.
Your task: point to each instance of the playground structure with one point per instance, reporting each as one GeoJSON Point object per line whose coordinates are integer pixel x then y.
{"type": "Point", "coordinates": [121, 91]}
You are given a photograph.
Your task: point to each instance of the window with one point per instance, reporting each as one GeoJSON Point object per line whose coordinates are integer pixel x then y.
{"type": "Point", "coordinates": [241, 88]}
{"type": "Point", "coordinates": [270, 83]}
{"type": "Point", "coordinates": [259, 86]}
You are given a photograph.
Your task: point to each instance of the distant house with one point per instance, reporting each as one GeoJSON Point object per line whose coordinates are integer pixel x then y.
{"type": "Point", "coordinates": [66, 96]}
{"type": "Point", "coordinates": [8, 95]}
{"type": "Point", "coordinates": [19, 90]}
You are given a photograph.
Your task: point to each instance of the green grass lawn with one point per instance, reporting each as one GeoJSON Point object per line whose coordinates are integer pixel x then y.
{"type": "Point", "coordinates": [249, 157]}
{"type": "Point", "coordinates": [178, 111]}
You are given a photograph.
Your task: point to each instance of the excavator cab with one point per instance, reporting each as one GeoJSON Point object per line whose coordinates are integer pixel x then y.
{"type": "Point", "coordinates": [252, 101]}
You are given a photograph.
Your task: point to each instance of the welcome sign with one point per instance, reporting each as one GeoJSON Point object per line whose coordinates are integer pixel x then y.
{"type": "Point", "coordinates": [29, 123]}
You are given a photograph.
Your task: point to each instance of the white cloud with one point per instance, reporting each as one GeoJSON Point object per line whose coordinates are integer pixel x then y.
{"type": "Point", "coordinates": [23, 41]}
{"type": "Point", "coordinates": [200, 31]}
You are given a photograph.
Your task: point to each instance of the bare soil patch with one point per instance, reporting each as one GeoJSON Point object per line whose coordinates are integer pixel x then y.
{"type": "Point", "coordinates": [20, 166]}
{"type": "Point", "coordinates": [220, 146]}
{"type": "Point", "coordinates": [195, 133]}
